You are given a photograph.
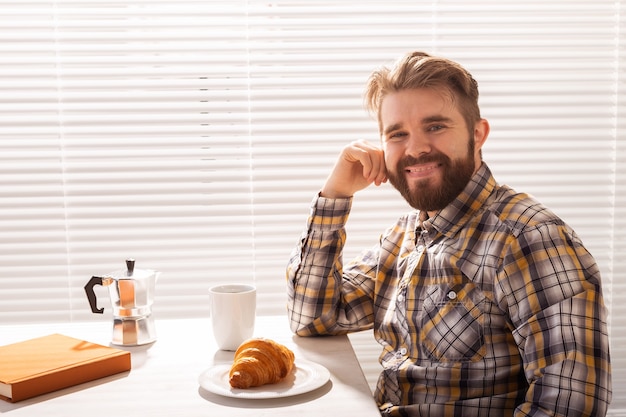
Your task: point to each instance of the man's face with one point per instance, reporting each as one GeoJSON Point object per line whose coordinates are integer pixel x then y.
{"type": "Point", "coordinates": [430, 153]}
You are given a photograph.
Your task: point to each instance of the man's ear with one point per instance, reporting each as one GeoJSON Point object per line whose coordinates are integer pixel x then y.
{"type": "Point", "coordinates": [481, 131]}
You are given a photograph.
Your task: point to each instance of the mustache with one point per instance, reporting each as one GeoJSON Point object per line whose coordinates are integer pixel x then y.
{"type": "Point", "coordinates": [411, 160]}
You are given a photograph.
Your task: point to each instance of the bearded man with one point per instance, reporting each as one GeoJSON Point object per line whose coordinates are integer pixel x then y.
{"type": "Point", "coordinates": [484, 302]}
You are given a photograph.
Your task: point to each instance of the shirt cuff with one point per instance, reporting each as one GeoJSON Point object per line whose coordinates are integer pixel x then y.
{"type": "Point", "coordinates": [329, 213]}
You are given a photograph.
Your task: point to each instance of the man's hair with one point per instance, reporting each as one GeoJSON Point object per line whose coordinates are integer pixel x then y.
{"type": "Point", "coordinates": [421, 70]}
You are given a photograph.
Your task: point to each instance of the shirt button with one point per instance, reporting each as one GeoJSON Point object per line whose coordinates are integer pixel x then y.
{"type": "Point", "coordinates": [403, 351]}
{"type": "Point", "coordinates": [400, 297]}
{"type": "Point", "coordinates": [452, 295]}
{"type": "Point", "coordinates": [420, 248]}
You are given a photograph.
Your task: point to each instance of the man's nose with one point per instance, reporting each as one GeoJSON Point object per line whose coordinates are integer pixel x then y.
{"type": "Point", "coordinates": [418, 145]}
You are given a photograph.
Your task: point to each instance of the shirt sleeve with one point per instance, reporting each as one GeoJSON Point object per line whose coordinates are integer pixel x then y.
{"type": "Point", "coordinates": [554, 298]}
{"type": "Point", "coordinates": [324, 297]}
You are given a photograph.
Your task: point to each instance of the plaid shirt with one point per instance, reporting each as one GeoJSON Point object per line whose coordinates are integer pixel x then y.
{"type": "Point", "coordinates": [493, 307]}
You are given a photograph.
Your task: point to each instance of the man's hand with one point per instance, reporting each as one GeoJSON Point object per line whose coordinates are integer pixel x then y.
{"type": "Point", "coordinates": [359, 165]}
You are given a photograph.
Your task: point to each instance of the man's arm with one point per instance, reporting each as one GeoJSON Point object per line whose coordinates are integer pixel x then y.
{"type": "Point", "coordinates": [323, 296]}
{"type": "Point", "coordinates": [554, 296]}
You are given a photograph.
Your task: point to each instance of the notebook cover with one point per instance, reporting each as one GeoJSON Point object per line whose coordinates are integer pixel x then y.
{"type": "Point", "coordinates": [49, 363]}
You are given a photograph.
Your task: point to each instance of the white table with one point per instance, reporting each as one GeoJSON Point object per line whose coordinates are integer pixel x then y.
{"type": "Point", "coordinates": [164, 376]}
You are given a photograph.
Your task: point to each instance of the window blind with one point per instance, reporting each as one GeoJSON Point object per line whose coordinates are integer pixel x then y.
{"type": "Point", "coordinates": [192, 135]}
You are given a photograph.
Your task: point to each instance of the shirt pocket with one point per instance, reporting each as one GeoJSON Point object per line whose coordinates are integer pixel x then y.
{"type": "Point", "coordinates": [451, 323]}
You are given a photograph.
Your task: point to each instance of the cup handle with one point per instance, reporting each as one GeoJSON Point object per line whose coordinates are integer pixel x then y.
{"type": "Point", "coordinates": [91, 295]}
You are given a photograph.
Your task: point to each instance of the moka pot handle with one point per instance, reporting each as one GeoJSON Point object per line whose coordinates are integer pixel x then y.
{"type": "Point", "coordinates": [91, 295]}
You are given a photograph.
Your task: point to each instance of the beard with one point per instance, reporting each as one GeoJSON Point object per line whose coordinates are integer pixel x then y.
{"type": "Point", "coordinates": [427, 196]}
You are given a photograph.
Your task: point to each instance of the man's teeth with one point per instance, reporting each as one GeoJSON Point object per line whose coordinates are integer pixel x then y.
{"type": "Point", "coordinates": [419, 169]}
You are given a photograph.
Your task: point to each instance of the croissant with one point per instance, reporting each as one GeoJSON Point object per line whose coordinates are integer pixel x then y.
{"type": "Point", "coordinates": [258, 362]}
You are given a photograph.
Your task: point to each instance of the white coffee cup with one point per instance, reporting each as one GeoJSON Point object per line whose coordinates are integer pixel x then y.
{"type": "Point", "coordinates": [233, 311]}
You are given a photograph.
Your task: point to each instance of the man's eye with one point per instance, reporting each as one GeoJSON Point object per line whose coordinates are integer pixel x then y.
{"type": "Point", "coordinates": [397, 135]}
{"type": "Point", "coordinates": [435, 128]}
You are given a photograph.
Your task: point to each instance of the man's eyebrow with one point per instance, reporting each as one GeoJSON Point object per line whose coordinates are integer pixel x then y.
{"type": "Point", "coordinates": [393, 127]}
{"type": "Point", "coordinates": [437, 118]}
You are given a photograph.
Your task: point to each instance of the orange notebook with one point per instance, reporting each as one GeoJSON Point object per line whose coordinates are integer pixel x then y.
{"type": "Point", "coordinates": [49, 363]}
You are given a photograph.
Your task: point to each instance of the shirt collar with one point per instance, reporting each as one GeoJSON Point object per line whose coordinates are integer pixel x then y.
{"type": "Point", "coordinates": [456, 214]}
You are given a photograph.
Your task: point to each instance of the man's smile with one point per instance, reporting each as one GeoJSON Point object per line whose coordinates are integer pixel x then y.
{"type": "Point", "coordinates": [422, 170]}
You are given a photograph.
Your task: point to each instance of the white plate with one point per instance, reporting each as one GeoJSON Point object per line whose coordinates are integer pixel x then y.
{"type": "Point", "coordinates": [306, 377]}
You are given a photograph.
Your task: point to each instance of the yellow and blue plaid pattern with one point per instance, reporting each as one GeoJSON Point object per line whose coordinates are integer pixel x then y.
{"type": "Point", "coordinates": [491, 308]}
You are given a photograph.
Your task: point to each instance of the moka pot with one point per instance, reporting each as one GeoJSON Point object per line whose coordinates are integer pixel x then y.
{"type": "Point", "coordinates": [131, 292]}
